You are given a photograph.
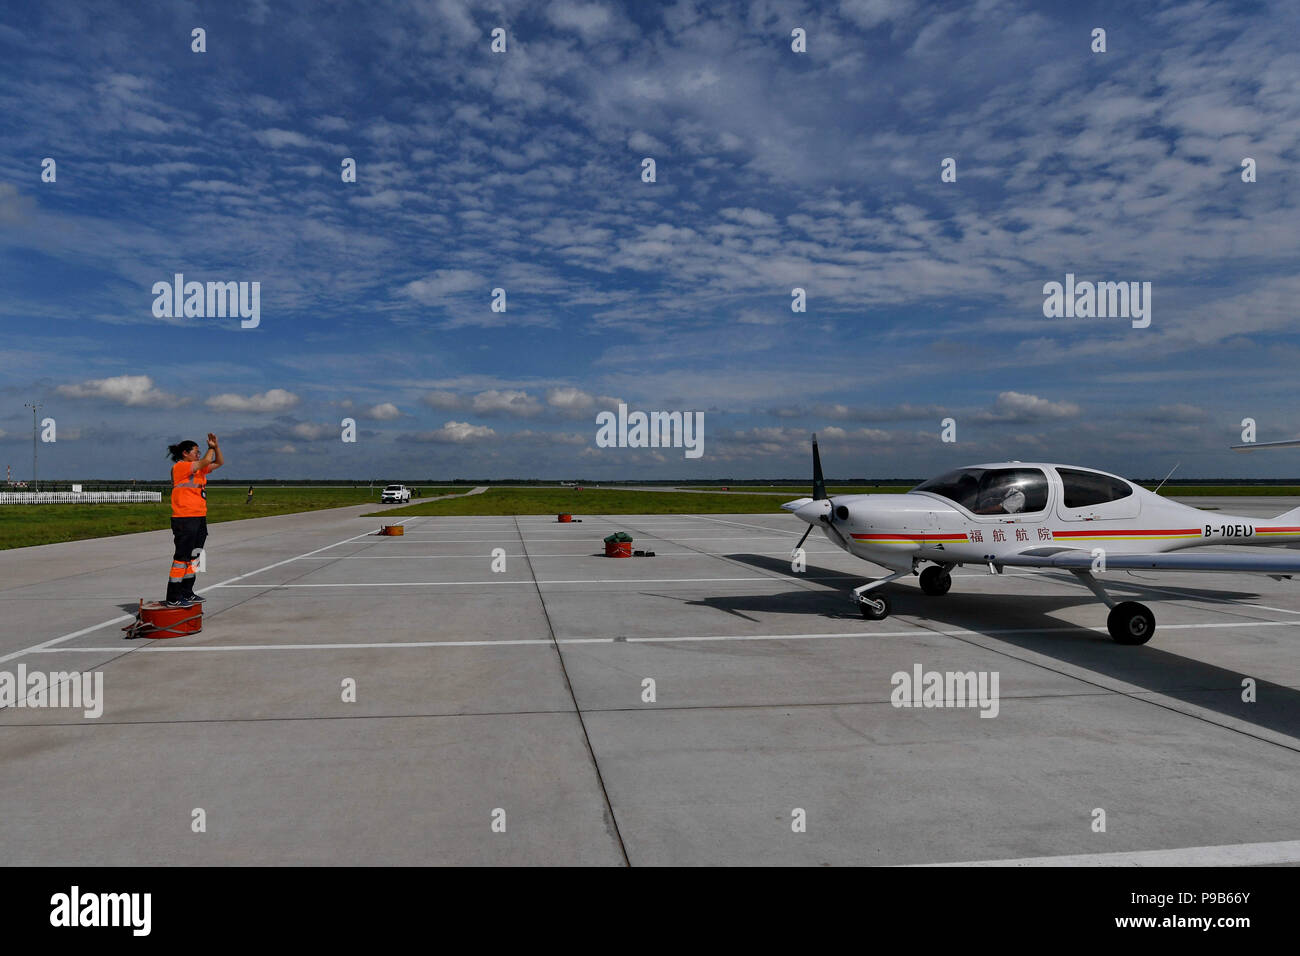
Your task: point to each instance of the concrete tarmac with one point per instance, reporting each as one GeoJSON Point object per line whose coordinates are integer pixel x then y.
{"type": "Point", "coordinates": [705, 706]}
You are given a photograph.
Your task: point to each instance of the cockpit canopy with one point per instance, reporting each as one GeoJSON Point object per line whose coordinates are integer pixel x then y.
{"type": "Point", "coordinates": [992, 491]}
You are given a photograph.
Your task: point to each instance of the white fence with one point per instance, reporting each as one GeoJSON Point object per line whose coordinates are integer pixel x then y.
{"type": "Point", "coordinates": [77, 498]}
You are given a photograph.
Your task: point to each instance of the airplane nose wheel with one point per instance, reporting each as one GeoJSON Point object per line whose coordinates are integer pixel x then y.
{"type": "Point", "coordinates": [935, 580]}
{"type": "Point", "coordinates": [874, 608]}
{"type": "Point", "coordinates": [1131, 623]}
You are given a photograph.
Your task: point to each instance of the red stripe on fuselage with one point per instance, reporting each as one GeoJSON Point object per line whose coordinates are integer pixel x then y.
{"type": "Point", "coordinates": [1093, 532]}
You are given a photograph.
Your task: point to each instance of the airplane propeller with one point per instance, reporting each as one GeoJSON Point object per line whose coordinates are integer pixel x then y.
{"type": "Point", "coordinates": [807, 531]}
{"type": "Point", "coordinates": [819, 494]}
{"type": "Point", "coordinates": [819, 480]}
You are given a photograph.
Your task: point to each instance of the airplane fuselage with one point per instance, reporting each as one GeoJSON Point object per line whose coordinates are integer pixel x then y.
{"type": "Point", "coordinates": [897, 531]}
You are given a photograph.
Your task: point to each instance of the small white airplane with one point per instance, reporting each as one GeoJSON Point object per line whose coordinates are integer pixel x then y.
{"type": "Point", "coordinates": [1036, 515]}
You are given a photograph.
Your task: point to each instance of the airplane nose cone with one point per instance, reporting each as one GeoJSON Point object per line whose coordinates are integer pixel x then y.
{"type": "Point", "coordinates": [813, 511]}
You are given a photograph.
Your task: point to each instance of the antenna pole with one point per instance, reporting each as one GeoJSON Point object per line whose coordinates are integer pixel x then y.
{"type": "Point", "coordinates": [1166, 478]}
{"type": "Point", "coordinates": [36, 484]}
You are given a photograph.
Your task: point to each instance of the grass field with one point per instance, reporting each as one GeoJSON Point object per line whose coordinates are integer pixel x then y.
{"type": "Point", "coordinates": [801, 490]}
{"type": "Point", "coordinates": [22, 526]}
{"type": "Point", "coordinates": [591, 501]}
{"type": "Point", "coordinates": [1235, 491]}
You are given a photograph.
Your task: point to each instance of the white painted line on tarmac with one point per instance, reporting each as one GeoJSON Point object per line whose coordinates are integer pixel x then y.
{"type": "Point", "coordinates": [417, 538]}
{"type": "Point", "coordinates": [529, 582]}
{"type": "Point", "coordinates": [128, 617]}
{"type": "Point", "coordinates": [48, 645]}
{"type": "Point", "coordinates": [743, 524]}
{"type": "Point", "coordinates": [1233, 854]}
{"type": "Point", "coordinates": [487, 581]}
{"type": "Point", "coordinates": [715, 638]}
{"type": "Point", "coordinates": [1196, 597]}
{"type": "Point", "coordinates": [755, 579]}
{"type": "Point", "coordinates": [388, 645]}
{"type": "Point", "coordinates": [569, 554]}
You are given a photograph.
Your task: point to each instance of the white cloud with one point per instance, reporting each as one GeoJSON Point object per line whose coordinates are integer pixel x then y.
{"type": "Point", "coordinates": [549, 438]}
{"type": "Point", "coordinates": [310, 431]}
{"type": "Point", "coordinates": [872, 13]}
{"type": "Point", "coordinates": [446, 282]}
{"type": "Point", "coordinates": [272, 400]}
{"type": "Point", "coordinates": [645, 143]}
{"type": "Point", "coordinates": [589, 19]}
{"type": "Point", "coordinates": [215, 186]}
{"type": "Point", "coordinates": [455, 433]}
{"type": "Point", "coordinates": [132, 390]}
{"type": "Point", "coordinates": [1019, 407]}
{"type": "Point", "coordinates": [493, 401]}
{"type": "Point", "coordinates": [383, 412]}
{"type": "Point", "coordinates": [15, 207]}
{"type": "Point", "coordinates": [280, 138]}
{"type": "Point", "coordinates": [569, 398]}
{"type": "Point", "coordinates": [509, 402]}
{"type": "Point", "coordinates": [750, 217]}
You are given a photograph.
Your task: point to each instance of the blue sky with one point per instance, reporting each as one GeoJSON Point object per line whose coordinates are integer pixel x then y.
{"type": "Point", "coordinates": [522, 170]}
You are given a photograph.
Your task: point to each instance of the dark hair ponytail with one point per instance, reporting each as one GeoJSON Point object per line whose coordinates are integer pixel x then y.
{"type": "Point", "coordinates": [177, 451]}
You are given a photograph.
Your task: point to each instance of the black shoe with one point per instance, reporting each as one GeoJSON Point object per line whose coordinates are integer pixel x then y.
{"type": "Point", "coordinates": [195, 598]}
{"type": "Point", "coordinates": [183, 602]}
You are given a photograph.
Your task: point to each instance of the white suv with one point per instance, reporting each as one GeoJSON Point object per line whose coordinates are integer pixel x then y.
{"type": "Point", "coordinates": [395, 493]}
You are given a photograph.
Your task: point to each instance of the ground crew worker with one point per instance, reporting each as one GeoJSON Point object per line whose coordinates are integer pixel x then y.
{"type": "Point", "coordinates": [189, 515]}
{"type": "Point", "coordinates": [250, 495]}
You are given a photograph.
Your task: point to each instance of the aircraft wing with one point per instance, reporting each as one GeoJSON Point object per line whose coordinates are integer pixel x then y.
{"type": "Point", "coordinates": [1252, 445]}
{"type": "Point", "coordinates": [1074, 559]}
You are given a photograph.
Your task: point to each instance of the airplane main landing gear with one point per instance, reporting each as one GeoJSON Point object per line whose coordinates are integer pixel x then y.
{"type": "Point", "coordinates": [936, 580]}
{"type": "Point", "coordinates": [1131, 623]}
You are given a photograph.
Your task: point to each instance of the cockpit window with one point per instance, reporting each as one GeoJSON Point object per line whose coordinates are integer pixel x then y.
{"type": "Point", "coordinates": [1084, 488]}
{"type": "Point", "coordinates": [992, 491]}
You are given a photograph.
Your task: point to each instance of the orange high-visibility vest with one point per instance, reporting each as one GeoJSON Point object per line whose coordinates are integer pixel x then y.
{"type": "Point", "coordinates": [189, 491]}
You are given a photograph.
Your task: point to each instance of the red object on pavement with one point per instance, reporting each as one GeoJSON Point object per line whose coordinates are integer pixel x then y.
{"type": "Point", "coordinates": [154, 621]}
